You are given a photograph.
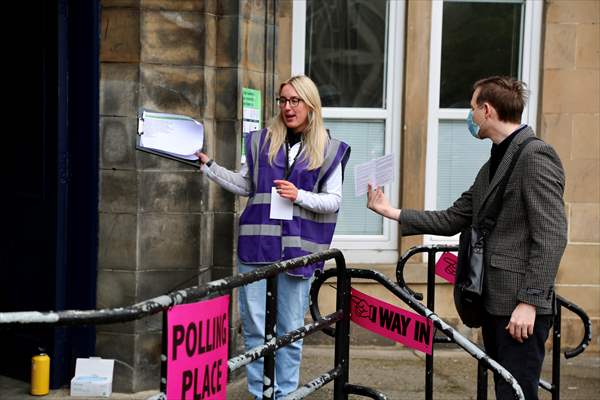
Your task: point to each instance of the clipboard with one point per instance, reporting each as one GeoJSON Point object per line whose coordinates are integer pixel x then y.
{"type": "Point", "coordinates": [170, 124]}
{"type": "Point", "coordinates": [159, 153]}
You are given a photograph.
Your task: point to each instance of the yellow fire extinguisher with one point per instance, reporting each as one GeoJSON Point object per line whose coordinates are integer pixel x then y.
{"type": "Point", "coordinates": [40, 374]}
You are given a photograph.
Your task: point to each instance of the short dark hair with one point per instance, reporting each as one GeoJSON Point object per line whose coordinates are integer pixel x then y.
{"type": "Point", "coordinates": [506, 94]}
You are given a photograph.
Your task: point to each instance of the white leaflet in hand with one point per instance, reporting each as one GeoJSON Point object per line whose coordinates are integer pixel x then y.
{"type": "Point", "coordinates": [384, 169]}
{"type": "Point", "coordinates": [377, 172]}
{"type": "Point", "coordinates": [281, 208]}
{"type": "Point", "coordinates": [363, 175]}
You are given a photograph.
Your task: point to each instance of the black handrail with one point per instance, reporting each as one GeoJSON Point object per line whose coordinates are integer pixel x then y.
{"type": "Point", "coordinates": [560, 301]}
{"type": "Point", "coordinates": [407, 297]}
{"type": "Point", "coordinates": [315, 384]}
{"type": "Point", "coordinates": [160, 303]}
{"type": "Point", "coordinates": [587, 326]}
{"type": "Point", "coordinates": [431, 249]}
{"type": "Point", "coordinates": [278, 342]}
{"type": "Point", "coordinates": [339, 374]}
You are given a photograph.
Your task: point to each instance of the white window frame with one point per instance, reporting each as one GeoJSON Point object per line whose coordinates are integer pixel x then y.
{"type": "Point", "coordinates": [529, 68]}
{"type": "Point", "coordinates": [368, 248]}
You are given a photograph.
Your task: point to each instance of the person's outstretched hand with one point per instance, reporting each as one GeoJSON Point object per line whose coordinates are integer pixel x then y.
{"type": "Point", "coordinates": [377, 202]}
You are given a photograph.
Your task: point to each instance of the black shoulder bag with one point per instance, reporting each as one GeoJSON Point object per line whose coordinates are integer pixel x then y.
{"type": "Point", "coordinates": [468, 288]}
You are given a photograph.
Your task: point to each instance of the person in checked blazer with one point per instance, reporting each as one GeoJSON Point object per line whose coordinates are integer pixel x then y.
{"type": "Point", "coordinates": [523, 251]}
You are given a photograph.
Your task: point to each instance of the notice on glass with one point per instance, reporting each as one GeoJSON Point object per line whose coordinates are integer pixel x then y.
{"type": "Point", "coordinates": [377, 172]}
{"type": "Point", "coordinates": [251, 115]}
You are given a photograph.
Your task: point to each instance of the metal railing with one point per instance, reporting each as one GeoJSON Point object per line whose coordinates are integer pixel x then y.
{"type": "Point", "coordinates": [162, 303]}
{"type": "Point", "coordinates": [559, 302]}
{"type": "Point", "coordinates": [339, 374]}
{"type": "Point", "coordinates": [408, 298]}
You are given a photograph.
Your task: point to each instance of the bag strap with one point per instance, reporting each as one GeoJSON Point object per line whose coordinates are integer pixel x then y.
{"type": "Point", "coordinates": [488, 221]}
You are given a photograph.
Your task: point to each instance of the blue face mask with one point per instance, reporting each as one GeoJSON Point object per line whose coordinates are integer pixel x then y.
{"type": "Point", "coordinates": [473, 127]}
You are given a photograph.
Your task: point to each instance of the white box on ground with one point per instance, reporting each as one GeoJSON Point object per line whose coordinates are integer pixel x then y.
{"type": "Point", "coordinates": [93, 377]}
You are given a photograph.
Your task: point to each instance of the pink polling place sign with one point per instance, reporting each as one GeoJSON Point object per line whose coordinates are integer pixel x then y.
{"type": "Point", "coordinates": [387, 320]}
{"type": "Point", "coordinates": [446, 267]}
{"type": "Point", "coordinates": [197, 341]}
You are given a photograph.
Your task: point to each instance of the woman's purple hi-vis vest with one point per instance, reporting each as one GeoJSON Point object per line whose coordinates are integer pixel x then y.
{"type": "Point", "coordinates": [263, 240]}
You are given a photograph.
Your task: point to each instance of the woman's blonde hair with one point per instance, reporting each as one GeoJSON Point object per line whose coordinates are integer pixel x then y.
{"type": "Point", "coordinates": [314, 137]}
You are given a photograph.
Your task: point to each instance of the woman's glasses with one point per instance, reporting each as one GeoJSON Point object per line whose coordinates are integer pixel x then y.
{"type": "Point", "coordinates": [294, 101]}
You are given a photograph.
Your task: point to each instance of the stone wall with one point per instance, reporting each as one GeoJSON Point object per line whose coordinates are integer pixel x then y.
{"type": "Point", "coordinates": [162, 225]}
{"type": "Point", "coordinates": [569, 116]}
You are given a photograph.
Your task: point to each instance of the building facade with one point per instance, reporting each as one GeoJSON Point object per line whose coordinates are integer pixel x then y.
{"type": "Point", "coordinates": [395, 78]}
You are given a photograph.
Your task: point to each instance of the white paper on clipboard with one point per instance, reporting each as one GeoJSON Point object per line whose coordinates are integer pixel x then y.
{"type": "Point", "coordinates": [172, 134]}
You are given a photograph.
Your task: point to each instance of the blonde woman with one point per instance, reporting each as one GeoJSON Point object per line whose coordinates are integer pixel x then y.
{"type": "Point", "coordinates": [295, 158]}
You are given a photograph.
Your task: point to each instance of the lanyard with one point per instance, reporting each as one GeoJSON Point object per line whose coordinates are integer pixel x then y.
{"type": "Point", "coordinates": [288, 168]}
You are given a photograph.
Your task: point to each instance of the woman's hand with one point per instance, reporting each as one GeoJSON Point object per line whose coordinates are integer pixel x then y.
{"type": "Point", "coordinates": [377, 202]}
{"type": "Point", "coordinates": [286, 189]}
{"type": "Point", "coordinates": [202, 158]}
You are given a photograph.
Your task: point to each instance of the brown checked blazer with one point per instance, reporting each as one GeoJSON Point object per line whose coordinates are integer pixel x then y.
{"type": "Point", "coordinates": [523, 251]}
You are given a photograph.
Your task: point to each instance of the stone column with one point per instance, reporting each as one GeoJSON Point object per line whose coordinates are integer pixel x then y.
{"type": "Point", "coordinates": [162, 225]}
{"type": "Point", "coordinates": [570, 121]}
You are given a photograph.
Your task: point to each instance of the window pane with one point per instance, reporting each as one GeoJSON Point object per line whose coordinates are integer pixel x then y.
{"type": "Point", "coordinates": [367, 141]}
{"type": "Point", "coordinates": [346, 51]}
{"type": "Point", "coordinates": [460, 156]}
{"type": "Point", "coordinates": [479, 39]}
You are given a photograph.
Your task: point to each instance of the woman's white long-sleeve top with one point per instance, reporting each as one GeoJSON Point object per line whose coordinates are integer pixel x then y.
{"type": "Point", "coordinates": [327, 201]}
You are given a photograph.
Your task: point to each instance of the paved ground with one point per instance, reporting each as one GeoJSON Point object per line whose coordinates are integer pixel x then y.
{"type": "Point", "coordinates": [397, 372]}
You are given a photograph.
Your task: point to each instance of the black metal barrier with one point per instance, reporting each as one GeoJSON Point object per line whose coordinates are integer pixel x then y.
{"type": "Point", "coordinates": [341, 318]}
{"type": "Point", "coordinates": [222, 286]}
{"type": "Point", "coordinates": [407, 297]}
{"type": "Point", "coordinates": [559, 302]}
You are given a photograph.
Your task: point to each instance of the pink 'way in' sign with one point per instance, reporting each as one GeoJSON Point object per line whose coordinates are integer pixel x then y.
{"type": "Point", "coordinates": [392, 322]}
{"type": "Point", "coordinates": [446, 267]}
